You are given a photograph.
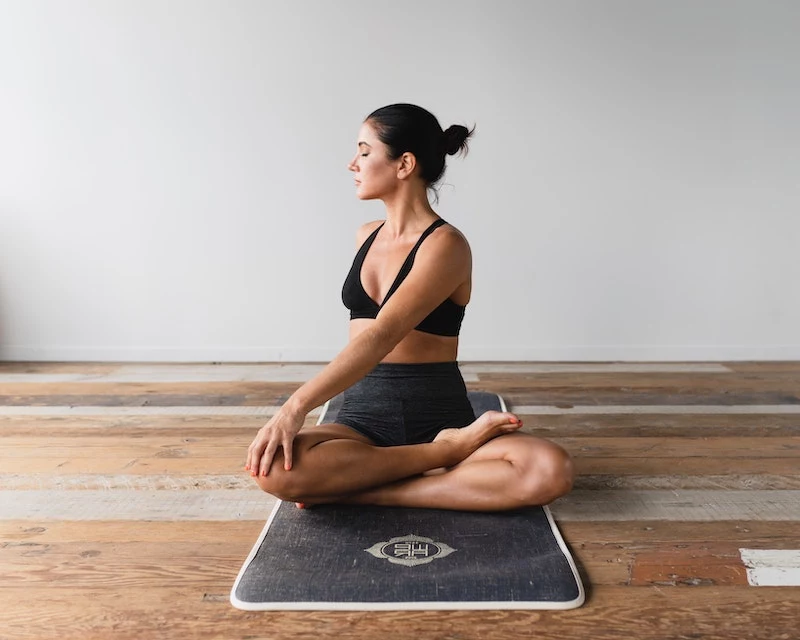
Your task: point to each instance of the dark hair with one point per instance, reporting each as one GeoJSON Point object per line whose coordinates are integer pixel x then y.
{"type": "Point", "coordinates": [406, 127]}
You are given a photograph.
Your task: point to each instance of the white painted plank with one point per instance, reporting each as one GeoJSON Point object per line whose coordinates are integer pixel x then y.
{"type": "Point", "coordinates": [253, 504]}
{"type": "Point", "coordinates": [772, 567]}
{"type": "Point", "coordinates": [759, 558]}
{"type": "Point", "coordinates": [530, 409]}
{"type": "Point", "coordinates": [774, 577]}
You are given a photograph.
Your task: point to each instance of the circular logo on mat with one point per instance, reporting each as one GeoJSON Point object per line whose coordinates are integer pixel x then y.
{"type": "Point", "coordinates": [410, 550]}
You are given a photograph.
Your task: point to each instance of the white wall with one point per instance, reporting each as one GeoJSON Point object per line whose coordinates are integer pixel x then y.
{"type": "Point", "coordinates": [173, 181]}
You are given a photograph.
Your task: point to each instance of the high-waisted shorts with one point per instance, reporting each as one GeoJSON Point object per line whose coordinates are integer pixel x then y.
{"type": "Point", "coordinates": [407, 403]}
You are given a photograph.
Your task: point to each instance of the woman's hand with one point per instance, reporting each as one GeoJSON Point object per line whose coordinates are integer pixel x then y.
{"type": "Point", "coordinates": [278, 432]}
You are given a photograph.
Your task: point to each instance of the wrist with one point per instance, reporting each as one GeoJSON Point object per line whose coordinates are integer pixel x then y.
{"type": "Point", "coordinates": [296, 406]}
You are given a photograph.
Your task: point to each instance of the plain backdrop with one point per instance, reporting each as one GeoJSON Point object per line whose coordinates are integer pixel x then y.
{"type": "Point", "coordinates": [174, 183]}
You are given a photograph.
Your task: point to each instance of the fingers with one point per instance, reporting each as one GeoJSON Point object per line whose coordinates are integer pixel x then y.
{"type": "Point", "coordinates": [266, 459]}
{"type": "Point", "coordinates": [287, 453]}
{"type": "Point", "coordinates": [249, 462]}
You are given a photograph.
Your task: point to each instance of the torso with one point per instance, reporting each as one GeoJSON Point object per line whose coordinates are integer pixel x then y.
{"type": "Point", "coordinates": [381, 265]}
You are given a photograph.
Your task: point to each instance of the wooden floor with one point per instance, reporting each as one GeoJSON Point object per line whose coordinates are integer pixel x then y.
{"type": "Point", "coordinates": [125, 511]}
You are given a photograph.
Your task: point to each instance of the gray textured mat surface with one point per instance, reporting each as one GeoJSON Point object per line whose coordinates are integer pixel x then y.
{"type": "Point", "coordinates": [362, 557]}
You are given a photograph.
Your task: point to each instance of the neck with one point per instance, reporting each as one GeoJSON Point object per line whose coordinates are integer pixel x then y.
{"type": "Point", "coordinates": [408, 212]}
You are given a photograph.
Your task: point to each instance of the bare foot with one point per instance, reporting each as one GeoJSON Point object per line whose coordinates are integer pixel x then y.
{"type": "Point", "coordinates": [467, 440]}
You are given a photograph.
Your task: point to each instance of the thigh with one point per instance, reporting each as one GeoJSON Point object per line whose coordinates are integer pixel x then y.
{"type": "Point", "coordinates": [311, 436]}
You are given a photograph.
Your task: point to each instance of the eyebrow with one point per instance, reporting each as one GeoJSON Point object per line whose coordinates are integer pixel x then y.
{"type": "Point", "coordinates": [364, 143]}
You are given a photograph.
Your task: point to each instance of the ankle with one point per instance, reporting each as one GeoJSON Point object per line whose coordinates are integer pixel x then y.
{"type": "Point", "coordinates": [449, 453]}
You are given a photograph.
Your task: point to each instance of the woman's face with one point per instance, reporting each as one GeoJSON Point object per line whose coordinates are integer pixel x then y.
{"type": "Point", "coordinates": [373, 173]}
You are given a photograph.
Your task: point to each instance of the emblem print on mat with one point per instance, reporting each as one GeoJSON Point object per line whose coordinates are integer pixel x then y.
{"type": "Point", "coordinates": [410, 550]}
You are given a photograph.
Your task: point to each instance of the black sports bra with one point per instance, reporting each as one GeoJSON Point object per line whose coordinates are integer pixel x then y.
{"type": "Point", "coordinates": [444, 320]}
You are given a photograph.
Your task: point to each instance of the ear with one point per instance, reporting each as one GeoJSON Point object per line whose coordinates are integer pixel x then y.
{"type": "Point", "coordinates": [406, 165]}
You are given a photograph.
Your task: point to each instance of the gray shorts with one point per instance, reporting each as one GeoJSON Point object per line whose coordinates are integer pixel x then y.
{"type": "Point", "coordinates": [407, 403]}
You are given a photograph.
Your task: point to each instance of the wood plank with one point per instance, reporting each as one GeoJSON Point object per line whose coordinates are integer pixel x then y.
{"type": "Point", "coordinates": [647, 411]}
{"type": "Point", "coordinates": [653, 410]}
{"type": "Point", "coordinates": [198, 372]}
{"type": "Point", "coordinates": [234, 463]}
{"type": "Point", "coordinates": [118, 410]}
{"type": "Point", "coordinates": [241, 532]}
{"type": "Point", "coordinates": [45, 368]}
{"type": "Point", "coordinates": [519, 395]}
{"type": "Point", "coordinates": [145, 389]}
{"type": "Point", "coordinates": [656, 425]}
{"type": "Point", "coordinates": [513, 394]}
{"type": "Point", "coordinates": [691, 564]}
{"type": "Point", "coordinates": [153, 398]}
{"type": "Point", "coordinates": [654, 382]}
{"type": "Point", "coordinates": [202, 479]}
{"type": "Point", "coordinates": [542, 425]}
{"type": "Point", "coordinates": [733, 481]}
{"type": "Point", "coordinates": [520, 388]}
{"type": "Point", "coordinates": [593, 367]}
{"type": "Point", "coordinates": [193, 563]}
{"type": "Point", "coordinates": [231, 445]}
{"type": "Point", "coordinates": [712, 612]}
{"type": "Point", "coordinates": [652, 448]}
{"type": "Point", "coordinates": [602, 383]}
{"type": "Point", "coordinates": [682, 466]}
{"type": "Point", "coordinates": [755, 533]}
{"type": "Point", "coordinates": [772, 567]}
{"type": "Point", "coordinates": [143, 482]}
{"type": "Point", "coordinates": [678, 505]}
{"type": "Point", "coordinates": [297, 372]}
{"type": "Point", "coordinates": [51, 552]}
{"type": "Point", "coordinates": [760, 534]}
{"type": "Point", "coordinates": [253, 504]}
{"type": "Point", "coordinates": [771, 366]}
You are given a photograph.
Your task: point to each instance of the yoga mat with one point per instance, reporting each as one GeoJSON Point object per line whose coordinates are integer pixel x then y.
{"type": "Point", "coordinates": [354, 557]}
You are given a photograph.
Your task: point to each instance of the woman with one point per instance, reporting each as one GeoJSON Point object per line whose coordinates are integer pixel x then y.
{"type": "Point", "coordinates": [406, 434]}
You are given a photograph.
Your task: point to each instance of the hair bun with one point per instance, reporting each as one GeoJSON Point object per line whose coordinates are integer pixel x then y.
{"type": "Point", "coordinates": [454, 139]}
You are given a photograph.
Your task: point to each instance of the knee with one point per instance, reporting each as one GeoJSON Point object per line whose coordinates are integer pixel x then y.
{"type": "Point", "coordinates": [550, 474]}
{"type": "Point", "coordinates": [284, 485]}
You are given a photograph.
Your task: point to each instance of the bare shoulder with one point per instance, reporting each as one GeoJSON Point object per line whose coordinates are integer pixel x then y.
{"type": "Point", "coordinates": [455, 233]}
{"type": "Point", "coordinates": [449, 247]}
{"type": "Point", "coordinates": [364, 230]}
{"type": "Point", "coordinates": [454, 240]}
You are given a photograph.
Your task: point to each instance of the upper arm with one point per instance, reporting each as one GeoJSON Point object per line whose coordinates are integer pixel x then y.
{"type": "Point", "coordinates": [439, 268]}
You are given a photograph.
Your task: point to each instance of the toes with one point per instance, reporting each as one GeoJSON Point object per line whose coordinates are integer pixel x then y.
{"type": "Point", "coordinates": [499, 418]}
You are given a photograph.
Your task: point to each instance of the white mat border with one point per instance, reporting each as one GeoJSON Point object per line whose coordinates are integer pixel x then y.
{"type": "Point", "coordinates": [405, 606]}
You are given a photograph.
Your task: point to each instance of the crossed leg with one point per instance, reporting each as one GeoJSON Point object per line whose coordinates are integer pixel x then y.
{"type": "Point", "coordinates": [508, 472]}
{"type": "Point", "coordinates": [482, 467]}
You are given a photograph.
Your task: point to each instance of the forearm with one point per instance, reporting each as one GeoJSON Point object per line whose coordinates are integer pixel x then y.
{"type": "Point", "coordinates": [357, 359]}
